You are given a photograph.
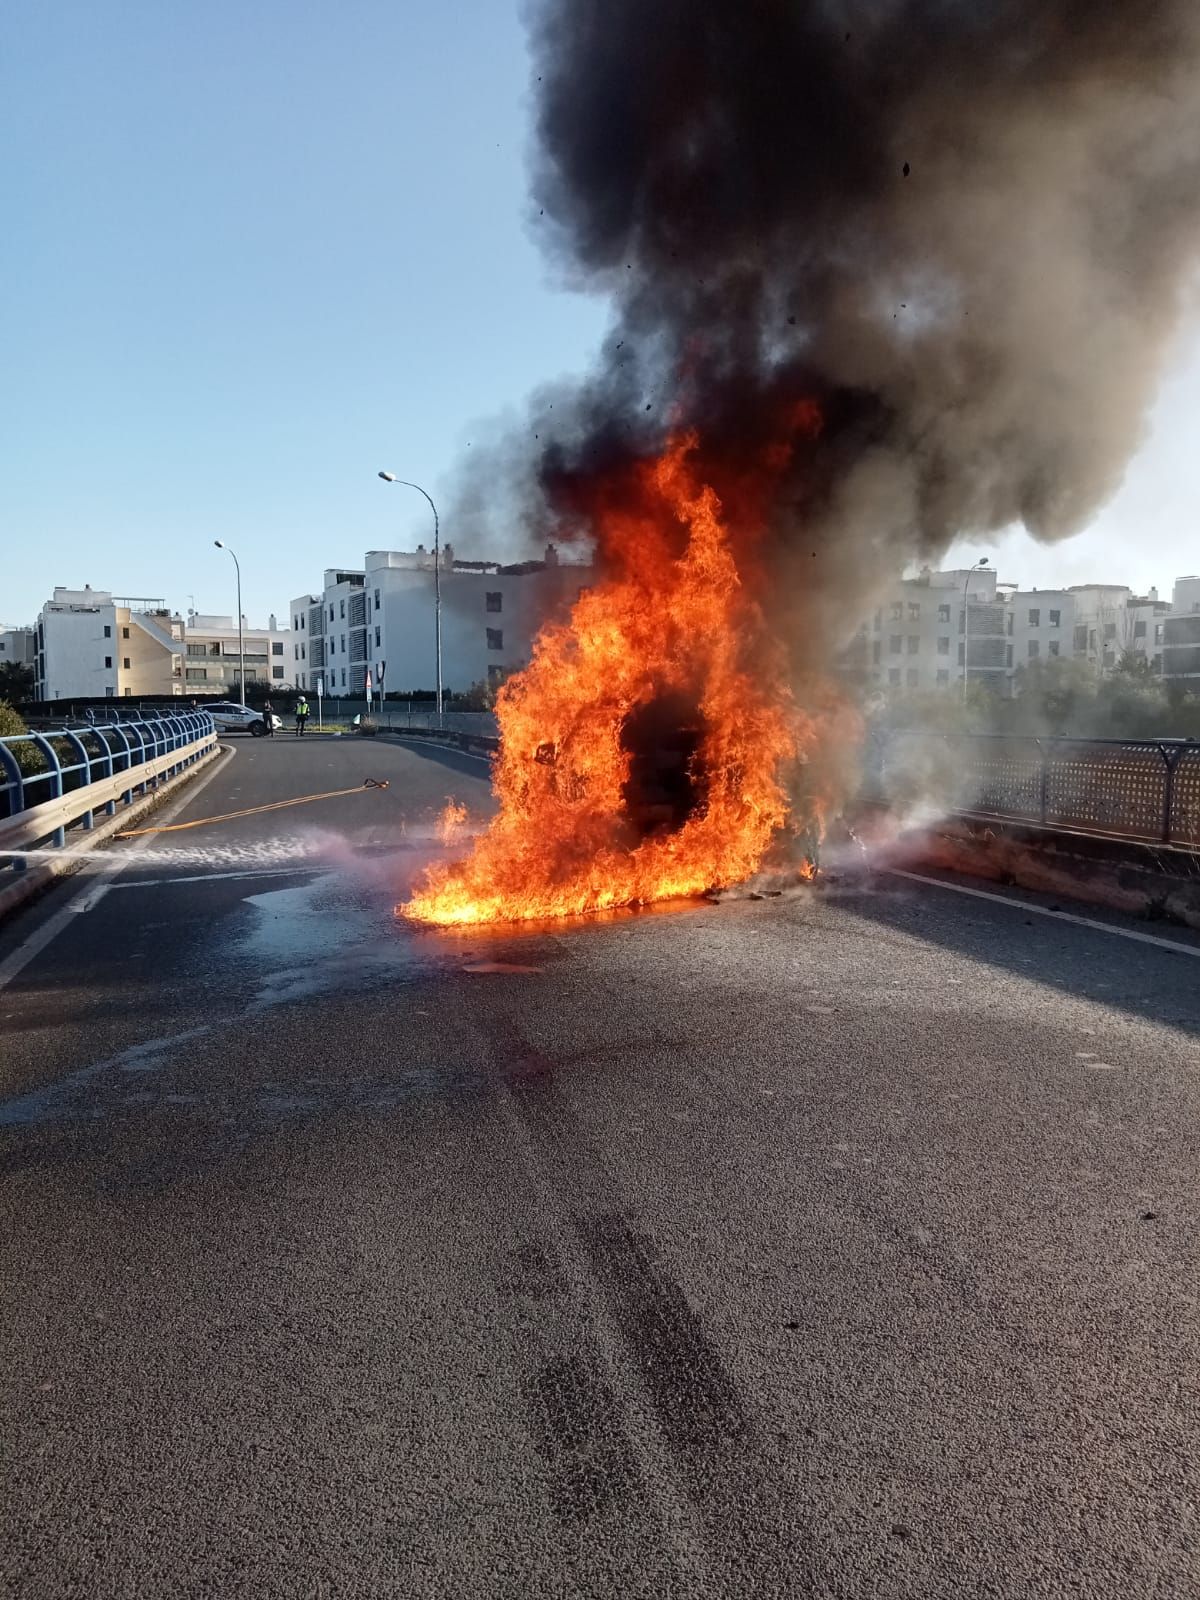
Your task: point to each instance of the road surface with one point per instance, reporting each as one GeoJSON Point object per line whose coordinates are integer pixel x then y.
{"type": "Point", "coordinates": [842, 1245]}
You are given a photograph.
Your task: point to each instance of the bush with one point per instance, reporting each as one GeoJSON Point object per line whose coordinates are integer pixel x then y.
{"type": "Point", "coordinates": [29, 758]}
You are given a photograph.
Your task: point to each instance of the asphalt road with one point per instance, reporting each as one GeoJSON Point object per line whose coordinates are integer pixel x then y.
{"type": "Point", "coordinates": [842, 1245]}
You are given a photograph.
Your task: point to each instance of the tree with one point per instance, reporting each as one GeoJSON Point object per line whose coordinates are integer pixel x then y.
{"type": "Point", "coordinates": [16, 682]}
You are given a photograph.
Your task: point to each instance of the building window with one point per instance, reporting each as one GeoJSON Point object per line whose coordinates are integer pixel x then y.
{"type": "Point", "coordinates": [1034, 649]}
{"type": "Point", "coordinates": [276, 648]}
{"type": "Point", "coordinates": [341, 608]}
{"type": "Point", "coordinates": [495, 674]}
{"type": "Point", "coordinates": [343, 677]}
{"type": "Point", "coordinates": [129, 691]}
{"type": "Point", "coordinates": [277, 672]}
{"type": "Point", "coordinates": [108, 661]}
{"type": "Point", "coordinates": [124, 633]}
{"type": "Point", "coordinates": [895, 644]}
{"type": "Point", "coordinates": [1081, 638]}
{"type": "Point", "coordinates": [331, 613]}
{"type": "Point", "coordinates": [377, 599]}
{"type": "Point", "coordinates": [1052, 647]}
{"type": "Point", "coordinates": [107, 631]}
{"type": "Point", "coordinates": [1056, 619]}
{"type": "Point", "coordinates": [495, 638]}
{"type": "Point", "coordinates": [1009, 624]}
{"type": "Point", "coordinates": [1035, 617]}
{"type": "Point", "coordinates": [914, 611]}
{"type": "Point", "coordinates": [1158, 633]}
{"type": "Point", "coordinates": [125, 662]}
{"type": "Point", "coordinates": [494, 600]}
{"type": "Point", "coordinates": [943, 647]}
{"type": "Point", "coordinates": [196, 674]}
{"type": "Point", "coordinates": [343, 644]}
{"type": "Point", "coordinates": [377, 636]}
{"type": "Point", "coordinates": [914, 644]}
{"type": "Point", "coordinates": [109, 692]}
{"type": "Point", "coordinates": [897, 610]}
{"type": "Point", "coordinates": [893, 675]}
{"type": "Point", "coordinates": [913, 677]}
{"type": "Point", "coordinates": [943, 613]}
{"type": "Point", "coordinates": [1139, 630]}
{"type": "Point", "coordinates": [304, 652]}
{"type": "Point", "coordinates": [1110, 632]}
{"type": "Point", "coordinates": [943, 674]}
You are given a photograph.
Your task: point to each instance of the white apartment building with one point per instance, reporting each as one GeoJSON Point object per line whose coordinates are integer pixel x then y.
{"type": "Point", "coordinates": [18, 646]}
{"type": "Point", "coordinates": [1181, 636]}
{"type": "Point", "coordinates": [91, 644]}
{"type": "Point", "coordinates": [383, 617]}
{"type": "Point", "coordinates": [918, 638]}
{"type": "Point", "coordinates": [213, 656]}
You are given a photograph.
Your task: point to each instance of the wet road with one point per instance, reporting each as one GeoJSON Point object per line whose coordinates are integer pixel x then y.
{"type": "Point", "coordinates": [841, 1246]}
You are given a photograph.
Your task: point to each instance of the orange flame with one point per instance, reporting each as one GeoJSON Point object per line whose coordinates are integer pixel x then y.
{"type": "Point", "coordinates": [668, 620]}
{"type": "Point", "coordinates": [451, 821]}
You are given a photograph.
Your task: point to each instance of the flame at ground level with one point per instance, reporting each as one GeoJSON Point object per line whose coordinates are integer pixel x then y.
{"type": "Point", "coordinates": [671, 623]}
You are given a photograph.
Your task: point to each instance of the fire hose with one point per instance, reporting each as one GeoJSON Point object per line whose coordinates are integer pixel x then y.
{"type": "Point", "coordinates": [251, 811]}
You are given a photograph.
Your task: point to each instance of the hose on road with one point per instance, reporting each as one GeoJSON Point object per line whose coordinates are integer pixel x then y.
{"type": "Point", "coordinates": [251, 811]}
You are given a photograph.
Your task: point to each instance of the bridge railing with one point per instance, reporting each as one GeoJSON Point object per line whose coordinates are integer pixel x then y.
{"type": "Point", "coordinates": [1147, 789]}
{"type": "Point", "coordinates": [51, 781]}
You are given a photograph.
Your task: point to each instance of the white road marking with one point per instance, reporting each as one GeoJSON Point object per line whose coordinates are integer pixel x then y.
{"type": "Point", "coordinates": [437, 744]}
{"type": "Point", "coordinates": [224, 877]}
{"type": "Point", "coordinates": [1044, 911]}
{"type": "Point", "coordinates": [97, 884]}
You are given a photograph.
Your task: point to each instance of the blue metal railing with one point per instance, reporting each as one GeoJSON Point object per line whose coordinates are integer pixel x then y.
{"type": "Point", "coordinates": [39, 766]}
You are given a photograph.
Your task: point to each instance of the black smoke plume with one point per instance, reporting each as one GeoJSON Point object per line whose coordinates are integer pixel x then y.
{"type": "Point", "coordinates": [965, 228]}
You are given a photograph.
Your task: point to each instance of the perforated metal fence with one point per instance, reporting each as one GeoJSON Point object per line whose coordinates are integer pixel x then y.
{"type": "Point", "coordinates": [1135, 789]}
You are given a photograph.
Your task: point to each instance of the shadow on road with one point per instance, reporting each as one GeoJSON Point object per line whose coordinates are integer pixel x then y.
{"type": "Point", "coordinates": [1151, 983]}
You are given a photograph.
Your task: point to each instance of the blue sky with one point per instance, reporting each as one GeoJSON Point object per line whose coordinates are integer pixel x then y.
{"type": "Point", "coordinates": [261, 251]}
{"type": "Point", "coordinates": [257, 251]}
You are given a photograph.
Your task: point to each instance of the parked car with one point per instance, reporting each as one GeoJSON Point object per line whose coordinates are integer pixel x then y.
{"type": "Point", "coordinates": [229, 717]}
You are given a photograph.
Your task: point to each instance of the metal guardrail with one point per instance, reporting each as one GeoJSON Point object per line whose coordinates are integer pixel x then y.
{"type": "Point", "coordinates": [1146, 789]}
{"type": "Point", "coordinates": [52, 781]}
{"type": "Point", "coordinates": [457, 738]}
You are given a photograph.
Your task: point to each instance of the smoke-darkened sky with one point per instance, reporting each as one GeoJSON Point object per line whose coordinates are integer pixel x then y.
{"type": "Point", "coordinates": [968, 230]}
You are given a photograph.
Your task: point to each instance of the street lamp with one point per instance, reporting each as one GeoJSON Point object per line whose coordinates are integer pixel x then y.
{"type": "Point", "coordinates": [978, 567]}
{"type": "Point", "coordinates": [241, 639]}
{"type": "Point", "coordinates": [390, 477]}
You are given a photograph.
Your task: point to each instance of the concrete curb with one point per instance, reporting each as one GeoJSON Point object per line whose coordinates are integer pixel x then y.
{"type": "Point", "coordinates": [34, 881]}
{"type": "Point", "coordinates": [1157, 882]}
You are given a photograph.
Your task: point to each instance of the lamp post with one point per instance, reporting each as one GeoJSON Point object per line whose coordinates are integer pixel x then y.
{"type": "Point", "coordinates": [978, 567]}
{"type": "Point", "coordinates": [241, 639]}
{"type": "Point", "coordinates": [390, 477]}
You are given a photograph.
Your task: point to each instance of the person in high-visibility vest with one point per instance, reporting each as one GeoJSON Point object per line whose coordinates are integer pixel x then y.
{"type": "Point", "coordinates": [301, 716]}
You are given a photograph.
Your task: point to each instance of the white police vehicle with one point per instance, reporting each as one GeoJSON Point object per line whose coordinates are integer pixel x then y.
{"type": "Point", "coordinates": [229, 717]}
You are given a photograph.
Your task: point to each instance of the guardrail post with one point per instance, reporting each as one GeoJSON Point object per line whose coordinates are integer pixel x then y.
{"type": "Point", "coordinates": [56, 781]}
{"type": "Point", "coordinates": [1170, 755]}
{"type": "Point", "coordinates": [127, 797]}
{"type": "Point", "coordinates": [1044, 783]}
{"type": "Point", "coordinates": [110, 806]}
{"type": "Point", "coordinates": [15, 785]}
{"type": "Point", "coordinates": [88, 818]}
